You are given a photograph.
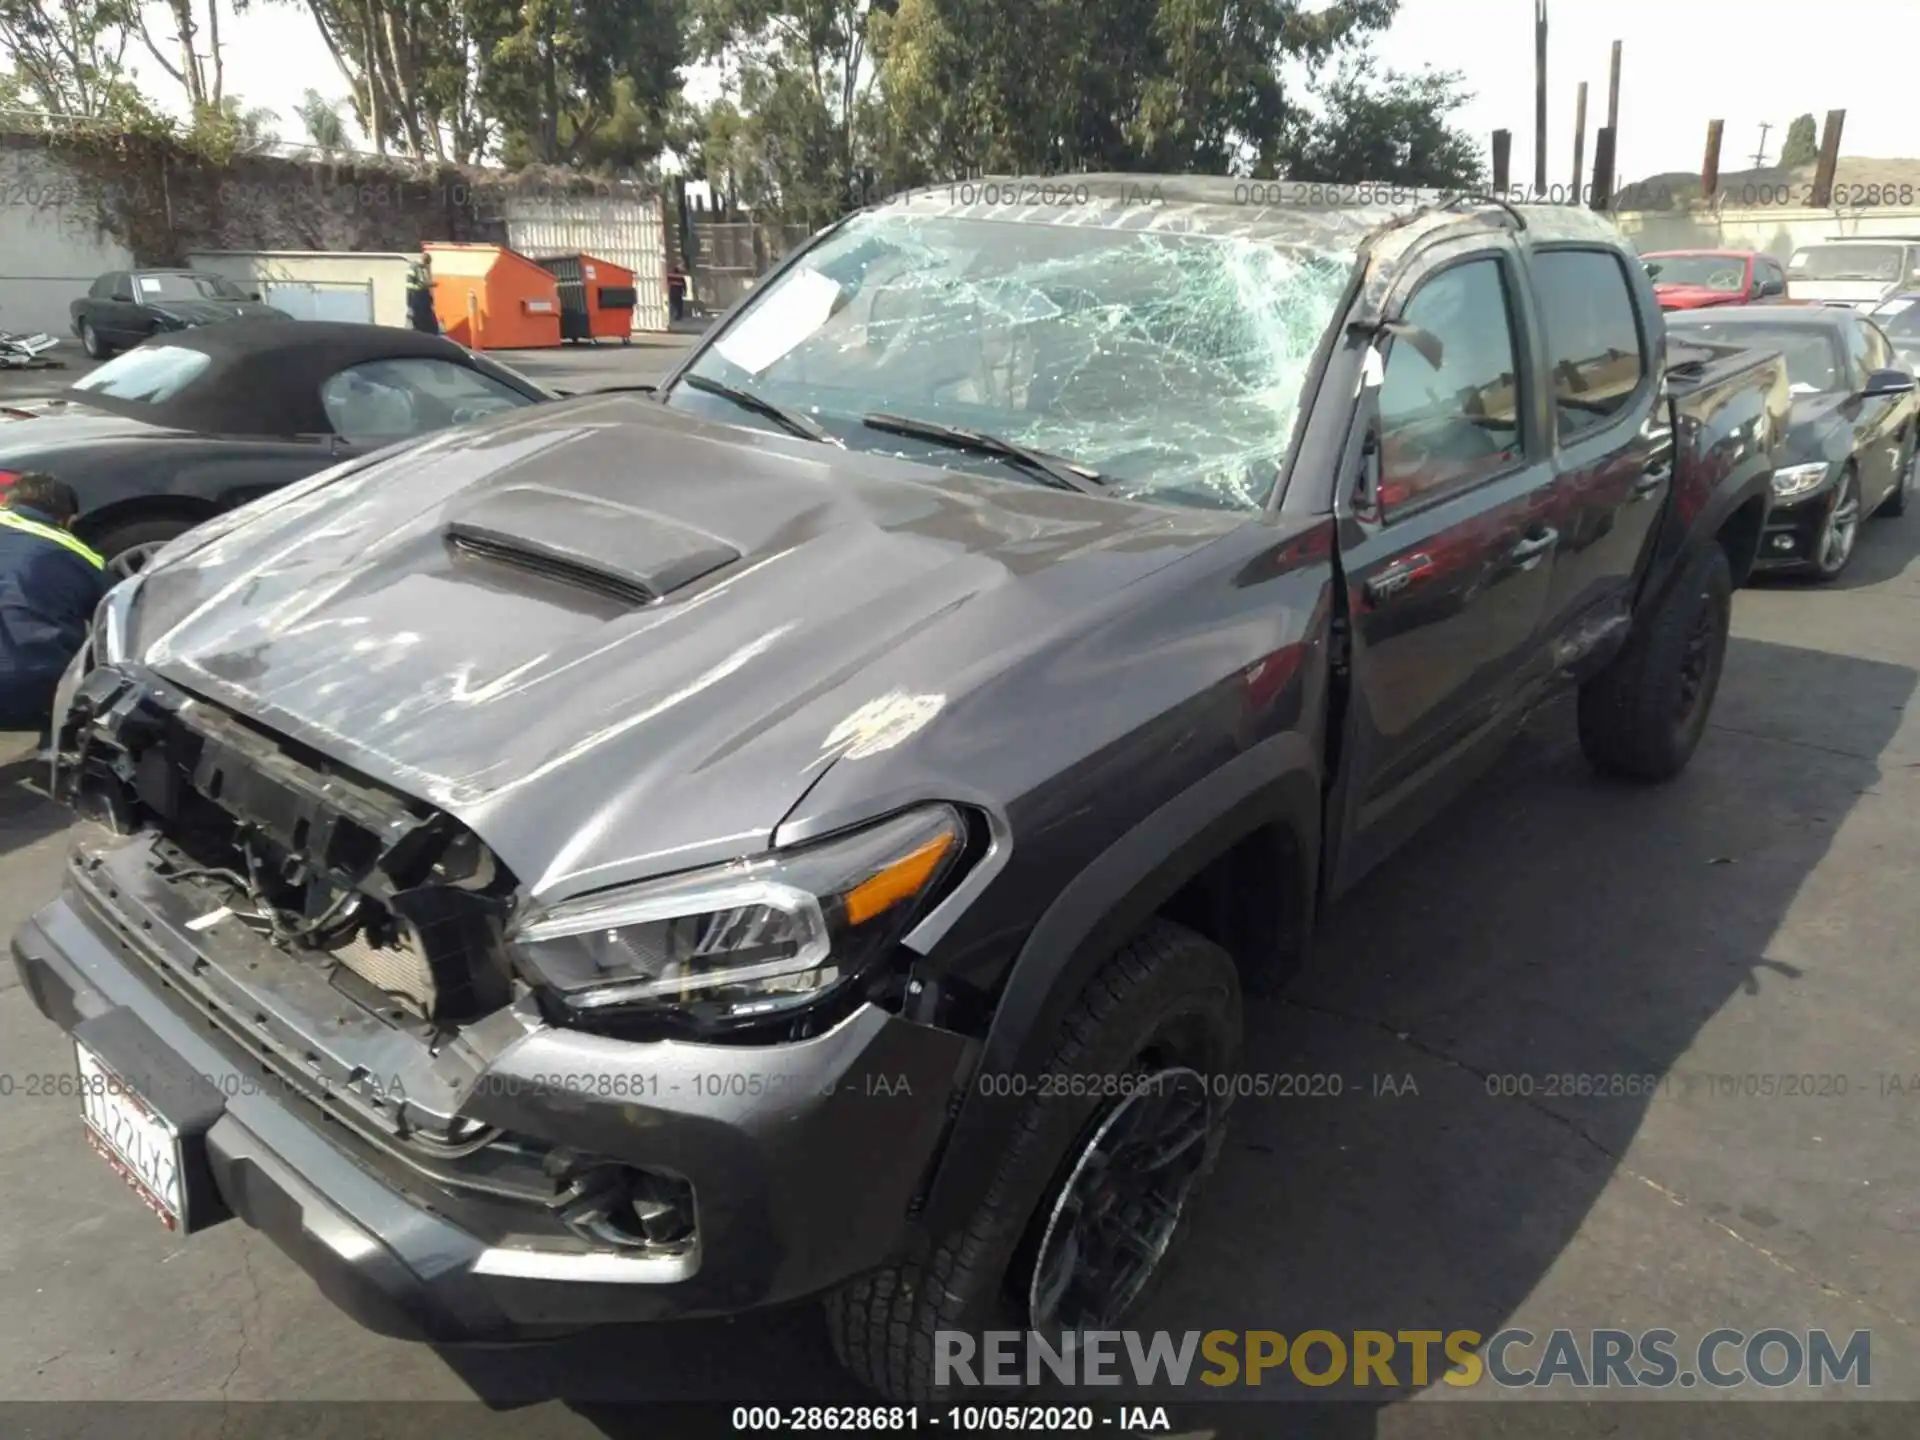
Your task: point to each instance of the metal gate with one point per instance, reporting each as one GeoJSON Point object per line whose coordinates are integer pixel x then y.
{"type": "Point", "coordinates": [625, 230]}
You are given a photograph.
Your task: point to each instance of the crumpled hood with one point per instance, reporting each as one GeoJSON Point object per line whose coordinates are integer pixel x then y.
{"type": "Point", "coordinates": [586, 737]}
{"type": "Point", "coordinates": [211, 312]}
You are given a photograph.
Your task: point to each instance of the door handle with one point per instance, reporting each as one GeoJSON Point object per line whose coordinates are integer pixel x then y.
{"type": "Point", "coordinates": [1651, 480]}
{"type": "Point", "coordinates": [1397, 576]}
{"type": "Point", "coordinates": [1533, 547]}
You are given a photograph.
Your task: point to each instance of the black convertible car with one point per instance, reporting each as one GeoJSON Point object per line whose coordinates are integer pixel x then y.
{"type": "Point", "coordinates": [187, 425]}
{"type": "Point", "coordinates": [1849, 449]}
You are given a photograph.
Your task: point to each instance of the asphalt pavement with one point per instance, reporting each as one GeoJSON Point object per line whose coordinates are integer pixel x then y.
{"type": "Point", "coordinates": [1755, 919]}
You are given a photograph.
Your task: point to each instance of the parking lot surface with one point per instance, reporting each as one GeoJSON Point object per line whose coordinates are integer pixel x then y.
{"type": "Point", "coordinates": [1755, 919]}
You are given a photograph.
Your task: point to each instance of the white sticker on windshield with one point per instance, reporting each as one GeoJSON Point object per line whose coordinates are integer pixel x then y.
{"type": "Point", "coordinates": [1894, 307]}
{"type": "Point", "coordinates": [797, 307]}
{"type": "Point", "coordinates": [1801, 387]}
{"type": "Point", "coordinates": [150, 285]}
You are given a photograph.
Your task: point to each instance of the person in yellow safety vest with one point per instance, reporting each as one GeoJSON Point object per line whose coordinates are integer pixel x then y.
{"type": "Point", "coordinates": [50, 585]}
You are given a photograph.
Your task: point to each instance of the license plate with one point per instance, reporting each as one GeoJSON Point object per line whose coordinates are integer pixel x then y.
{"type": "Point", "coordinates": [142, 1148]}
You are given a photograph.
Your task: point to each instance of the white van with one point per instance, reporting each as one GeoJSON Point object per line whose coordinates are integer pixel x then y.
{"type": "Point", "coordinates": [1856, 270]}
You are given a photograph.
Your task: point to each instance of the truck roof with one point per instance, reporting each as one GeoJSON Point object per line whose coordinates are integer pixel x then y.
{"type": "Point", "coordinates": [1301, 212]}
{"type": "Point", "coordinates": [1715, 254]}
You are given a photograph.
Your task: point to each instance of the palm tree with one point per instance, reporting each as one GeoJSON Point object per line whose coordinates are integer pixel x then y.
{"type": "Point", "coordinates": [323, 121]}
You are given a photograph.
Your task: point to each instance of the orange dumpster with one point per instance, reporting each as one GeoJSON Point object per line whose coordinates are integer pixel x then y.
{"type": "Point", "coordinates": [490, 298]}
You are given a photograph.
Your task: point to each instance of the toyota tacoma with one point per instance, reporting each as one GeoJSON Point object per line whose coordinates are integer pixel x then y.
{"type": "Point", "coordinates": [808, 831]}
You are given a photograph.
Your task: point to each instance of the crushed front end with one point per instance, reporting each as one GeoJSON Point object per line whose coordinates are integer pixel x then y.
{"type": "Point", "coordinates": [310, 981]}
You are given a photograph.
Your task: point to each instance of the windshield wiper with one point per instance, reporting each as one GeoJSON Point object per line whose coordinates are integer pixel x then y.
{"type": "Point", "coordinates": [1060, 473]}
{"type": "Point", "coordinates": [792, 421]}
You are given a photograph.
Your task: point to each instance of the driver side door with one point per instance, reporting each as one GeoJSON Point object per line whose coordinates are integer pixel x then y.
{"type": "Point", "coordinates": [1446, 551]}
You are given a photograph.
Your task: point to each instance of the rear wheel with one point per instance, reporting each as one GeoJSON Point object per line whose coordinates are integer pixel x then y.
{"type": "Point", "coordinates": [91, 342]}
{"type": "Point", "coordinates": [1642, 717]}
{"type": "Point", "coordinates": [1095, 1183]}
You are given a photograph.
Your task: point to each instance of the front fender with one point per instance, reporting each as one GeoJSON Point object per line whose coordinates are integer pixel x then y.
{"type": "Point", "coordinates": [1277, 781]}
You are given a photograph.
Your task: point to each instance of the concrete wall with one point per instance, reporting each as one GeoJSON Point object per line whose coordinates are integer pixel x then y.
{"type": "Point", "coordinates": [385, 272]}
{"type": "Point", "coordinates": [1776, 231]}
{"type": "Point", "coordinates": [51, 244]}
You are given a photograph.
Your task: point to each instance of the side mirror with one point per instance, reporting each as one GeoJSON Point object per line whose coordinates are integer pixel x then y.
{"type": "Point", "coordinates": [1425, 342]}
{"type": "Point", "coordinates": [253, 294]}
{"type": "Point", "coordinates": [1888, 382]}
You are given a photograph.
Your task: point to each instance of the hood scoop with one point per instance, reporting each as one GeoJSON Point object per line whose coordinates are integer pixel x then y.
{"type": "Point", "coordinates": [587, 542]}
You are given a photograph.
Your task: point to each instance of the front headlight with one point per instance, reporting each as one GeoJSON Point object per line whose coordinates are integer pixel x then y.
{"type": "Point", "coordinates": [751, 938]}
{"type": "Point", "coordinates": [1790, 482]}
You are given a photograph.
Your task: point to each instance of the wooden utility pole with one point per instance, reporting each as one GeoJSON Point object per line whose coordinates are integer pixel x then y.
{"type": "Point", "coordinates": [1603, 168]}
{"type": "Point", "coordinates": [1540, 99]}
{"type": "Point", "coordinates": [1760, 155]}
{"type": "Point", "coordinates": [1829, 159]}
{"type": "Point", "coordinates": [1502, 158]}
{"type": "Point", "coordinates": [1710, 165]}
{"type": "Point", "coordinates": [1579, 142]}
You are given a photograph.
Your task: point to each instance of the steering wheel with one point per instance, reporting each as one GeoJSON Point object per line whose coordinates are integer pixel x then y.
{"type": "Point", "coordinates": [1729, 279]}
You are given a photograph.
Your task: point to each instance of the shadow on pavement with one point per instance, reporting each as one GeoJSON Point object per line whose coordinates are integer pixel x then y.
{"type": "Point", "coordinates": [27, 815]}
{"type": "Point", "coordinates": [1550, 923]}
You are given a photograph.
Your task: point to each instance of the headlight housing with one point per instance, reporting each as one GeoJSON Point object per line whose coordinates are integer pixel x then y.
{"type": "Point", "coordinates": [113, 623]}
{"type": "Point", "coordinates": [748, 940]}
{"type": "Point", "coordinates": [1790, 482]}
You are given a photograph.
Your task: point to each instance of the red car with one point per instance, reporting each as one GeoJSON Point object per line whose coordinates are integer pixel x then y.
{"type": "Point", "coordinates": [1695, 279]}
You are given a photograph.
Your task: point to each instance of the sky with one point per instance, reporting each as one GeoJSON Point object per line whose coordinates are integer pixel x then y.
{"type": "Point", "coordinates": [1683, 64]}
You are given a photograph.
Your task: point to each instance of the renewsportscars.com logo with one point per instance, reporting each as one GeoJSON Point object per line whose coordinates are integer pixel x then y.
{"type": "Point", "coordinates": [1722, 1359]}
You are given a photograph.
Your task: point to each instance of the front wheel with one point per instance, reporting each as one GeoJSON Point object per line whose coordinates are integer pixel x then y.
{"type": "Point", "coordinates": [1105, 1152]}
{"type": "Point", "coordinates": [1834, 548]}
{"type": "Point", "coordinates": [1642, 717]}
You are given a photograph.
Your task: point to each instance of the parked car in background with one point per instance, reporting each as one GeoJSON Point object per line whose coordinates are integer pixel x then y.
{"type": "Point", "coordinates": [1899, 318]}
{"type": "Point", "coordinates": [1848, 451]}
{"type": "Point", "coordinates": [1861, 271]}
{"type": "Point", "coordinates": [185, 426]}
{"type": "Point", "coordinates": [808, 835]}
{"type": "Point", "coordinates": [124, 307]}
{"type": "Point", "coordinates": [1698, 279]}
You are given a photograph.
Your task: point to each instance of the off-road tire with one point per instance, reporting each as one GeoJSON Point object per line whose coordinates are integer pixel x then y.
{"type": "Point", "coordinates": [1633, 724]}
{"type": "Point", "coordinates": [882, 1324]}
{"type": "Point", "coordinates": [91, 342]}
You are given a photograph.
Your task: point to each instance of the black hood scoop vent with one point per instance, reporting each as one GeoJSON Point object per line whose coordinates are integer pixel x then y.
{"type": "Point", "coordinates": [587, 542]}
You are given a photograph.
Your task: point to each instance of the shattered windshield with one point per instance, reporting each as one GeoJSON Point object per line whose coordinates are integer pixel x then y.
{"type": "Point", "coordinates": [1171, 363]}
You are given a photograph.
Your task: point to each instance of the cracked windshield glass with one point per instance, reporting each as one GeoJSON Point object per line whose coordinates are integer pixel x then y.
{"type": "Point", "coordinates": [1170, 363]}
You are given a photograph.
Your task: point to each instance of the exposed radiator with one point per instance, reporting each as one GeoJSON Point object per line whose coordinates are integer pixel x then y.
{"type": "Point", "coordinates": [399, 970]}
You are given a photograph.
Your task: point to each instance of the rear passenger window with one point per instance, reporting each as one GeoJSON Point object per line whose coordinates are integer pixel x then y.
{"type": "Point", "coordinates": [1593, 338]}
{"type": "Point", "coordinates": [1448, 425]}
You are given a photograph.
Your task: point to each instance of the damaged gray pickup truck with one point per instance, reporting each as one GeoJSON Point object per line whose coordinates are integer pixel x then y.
{"type": "Point", "coordinates": [808, 831]}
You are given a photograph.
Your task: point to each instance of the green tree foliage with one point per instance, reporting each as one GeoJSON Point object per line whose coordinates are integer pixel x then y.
{"type": "Point", "coordinates": [1802, 145]}
{"type": "Point", "coordinates": [797, 129]}
{"type": "Point", "coordinates": [321, 118]}
{"type": "Point", "coordinates": [67, 58]}
{"type": "Point", "coordinates": [1059, 85]}
{"type": "Point", "coordinates": [1386, 127]}
{"type": "Point", "coordinates": [575, 80]}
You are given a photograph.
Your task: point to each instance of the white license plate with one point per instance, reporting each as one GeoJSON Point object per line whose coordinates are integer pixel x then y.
{"type": "Point", "coordinates": [142, 1148]}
